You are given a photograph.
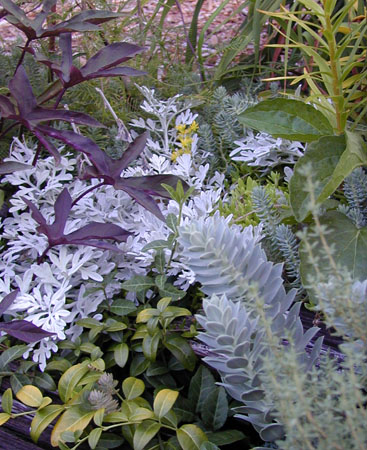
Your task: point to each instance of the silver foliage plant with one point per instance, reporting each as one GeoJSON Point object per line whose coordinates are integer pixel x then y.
{"type": "Point", "coordinates": [235, 273]}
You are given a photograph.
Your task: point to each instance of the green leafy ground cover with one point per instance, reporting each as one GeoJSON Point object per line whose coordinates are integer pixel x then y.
{"type": "Point", "coordinates": [162, 238]}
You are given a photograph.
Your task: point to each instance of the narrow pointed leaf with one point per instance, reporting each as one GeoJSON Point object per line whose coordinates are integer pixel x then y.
{"type": "Point", "coordinates": [116, 72]}
{"type": "Point", "coordinates": [25, 331]}
{"type": "Point", "coordinates": [99, 230]}
{"type": "Point", "coordinates": [12, 166]}
{"type": "Point", "coordinates": [11, 354]}
{"type": "Point", "coordinates": [62, 209]}
{"type": "Point", "coordinates": [7, 301]}
{"type": "Point", "coordinates": [140, 197]}
{"type": "Point", "coordinates": [67, 55]}
{"type": "Point", "coordinates": [130, 154]}
{"type": "Point", "coordinates": [110, 56]}
{"type": "Point", "coordinates": [21, 89]}
{"type": "Point", "coordinates": [152, 184]}
{"type": "Point", "coordinates": [7, 108]}
{"type": "Point", "coordinates": [39, 114]}
{"type": "Point", "coordinates": [288, 119]}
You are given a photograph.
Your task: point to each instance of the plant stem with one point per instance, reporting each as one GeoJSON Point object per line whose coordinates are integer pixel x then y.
{"type": "Point", "coordinates": [87, 192]}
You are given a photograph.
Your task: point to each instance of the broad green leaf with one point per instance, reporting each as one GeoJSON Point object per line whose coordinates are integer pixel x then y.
{"type": "Point", "coordinates": [11, 354]}
{"type": "Point", "coordinates": [172, 222]}
{"type": "Point", "coordinates": [144, 433]}
{"type": "Point", "coordinates": [208, 446]}
{"type": "Point", "coordinates": [160, 261]}
{"type": "Point", "coordinates": [215, 412]}
{"type": "Point", "coordinates": [146, 314]}
{"type": "Point", "coordinates": [201, 385]}
{"type": "Point", "coordinates": [171, 291]}
{"type": "Point", "coordinates": [98, 417]}
{"type": "Point", "coordinates": [355, 155]}
{"type": "Point", "coordinates": [121, 354]}
{"type": "Point", "coordinates": [122, 307]}
{"type": "Point", "coordinates": [116, 417]}
{"type": "Point", "coordinates": [73, 419]}
{"type": "Point", "coordinates": [138, 365]}
{"type": "Point", "coordinates": [132, 387]}
{"type": "Point", "coordinates": [170, 419]}
{"type": "Point", "coordinates": [164, 401]}
{"type": "Point", "coordinates": [70, 379]}
{"type": "Point", "coordinates": [138, 283]}
{"type": "Point", "coordinates": [159, 244]}
{"type": "Point", "coordinates": [7, 401]}
{"type": "Point", "coordinates": [323, 157]}
{"type": "Point", "coordinates": [4, 417]}
{"type": "Point", "coordinates": [160, 281]}
{"type": "Point", "coordinates": [191, 437]}
{"type": "Point", "coordinates": [181, 350]}
{"type": "Point", "coordinates": [94, 437]}
{"type": "Point", "coordinates": [288, 119]}
{"type": "Point", "coordinates": [45, 381]}
{"type": "Point", "coordinates": [43, 418]}
{"type": "Point", "coordinates": [45, 402]}
{"type": "Point", "coordinates": [110, 440]}
{"type": "Point", "coordinates": [150, 345]}
{"type": "Point", "coordinates": [163, 303]}
{"type": "Point", "coordinates": [184, 409]}
{"type": "Point", "coordinates": [140, 414]}
{"type": "Point", "coordinates": [88, 322]}
{"type": "Point", "coordinates": [30, 396]}
{"type": "Point", "coordinates": [225, 437]}
{"type": "Point", "coordinates": [18, 380]}
{"type": "Point", "coordinates": [348, 241]}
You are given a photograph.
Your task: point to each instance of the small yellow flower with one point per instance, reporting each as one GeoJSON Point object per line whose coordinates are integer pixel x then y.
{"type": "Point", "coordinates": [194, 127]}
{"type": "Point", "coordinates": [181, 128]}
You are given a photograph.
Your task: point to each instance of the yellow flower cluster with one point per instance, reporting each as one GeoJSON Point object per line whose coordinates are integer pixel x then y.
{"type": "Point", "coordinates": [185, 138]}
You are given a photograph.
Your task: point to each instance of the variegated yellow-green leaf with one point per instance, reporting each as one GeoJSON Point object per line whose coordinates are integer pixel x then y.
{"type": "Point", "coordinates": [140, 414]}
{"type": "Point", "coordinates": [98, 417]}
{"type": "Point", "coordinates": [4, 417]}
{"type": "Point", "coordinates": [94, 437]}
{"type": "Point", "coordinates": [132, 387]}
{"type": "Point", "coordinates": [144, 433]}
{"type": "Point", "coordinates": [46, 401]}
{"type": "Point", "coordinates": [7, 401]}
{"type": "Point", "coordinates": [115, 417]}
{"type": "Point", "coordinates": [191, 437]}
{"type": "Point", "coordinates": [163, 303]}
{"type": "Point", "coordinates": [146, 314]}
{"type": "Point", "coordinates": [121, 354]}
{"type": "Point", "coordinates": [43, 418]}
{"type": "Point", "coordinates": [70, 379]}
{"type": "Point", "coordinates": [73, 419]}
{"type": "Point", "coordinates": [150, 345]}
{"type": "Point", "coordinates": [164, 401]}
{"type": "Point", "coordinates": [30, 396]}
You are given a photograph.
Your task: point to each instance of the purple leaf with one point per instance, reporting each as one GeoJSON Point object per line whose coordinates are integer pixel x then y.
{"type": "Point", "coordinates": [62, 208]}
{"type": "Point", "coordinates": [43, 115]}
{"type": "Point", "coordinates": [152, 184]}
{"type": "Point", "coordinates": [67, 56]}
{"type": "Point", "coordinates": [21, 89]}
{"type": "Point", "coordinates": [110, 56]}
{"type": "Point", "coordinates": [7, 301]}
{"type": "Point", "coordinates": [141, 197]}
{"type": "Point", "coordinates": [25, 331]}
{"type": "Point", "coordinates": [98, 230]}
{"type": "Point", "coordinates": [48, 145]}
{"type": "Point", "coordinates": [13, 166]}
{"type": "Point", "coordinates": [131, 153]}
{"type": "Point", "coordinates": [80, 143]}
{"type": "Point", "coordinates": [6, 107]}
{"type": "Point", "coordinates": [37, 216]}
{"type": "Point", "coordinates": [116, 72]}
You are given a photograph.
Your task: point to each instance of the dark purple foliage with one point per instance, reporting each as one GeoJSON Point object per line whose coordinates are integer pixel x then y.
{"type": "Point", "coordinates": [20, 329]}
{"type": "Point", "coordinates": [91, 234]}
{"type": "Point", "coordinates": [33, 29]}
{"type": "Point", "coordinates": [102, 64]}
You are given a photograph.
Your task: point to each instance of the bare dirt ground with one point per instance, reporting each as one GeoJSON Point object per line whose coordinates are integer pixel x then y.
{"type": "Point", "coordinates": [216, 34]}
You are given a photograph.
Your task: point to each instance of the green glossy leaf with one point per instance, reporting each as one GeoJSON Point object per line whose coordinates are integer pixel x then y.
{"type": "Point", "coordinates": [73, 419]}
{"type": "Point", "coordinates": [160, 281]}
{"type": "Point", "coordinates": [4, 417]}
{"type": "Point", "coordinates": [225, 437]}
{"type": "Point", "coordinates": [138, 365]}
{"type": "Point", "coordinates": [181, 350]}
{"type": "Point", "coordinates": [116, 417]}
{"type": "Point", "coordinates": [172, 222]}
{"type": "Point", "coordinates": [164, 401]}
{"type": "Point", "coordinates": [121, 354]}
{"type": "Point", "coordinates": [349, 242]}
{"type": "Point", "coordinates": [18, 380]}
{"type": "Point", "coordinates": [144, 433]}
{"type": "Point", "coordinates": [11, 354]}
{"type": "Point", "coordinates": [163, 303]}
{"type": "Point", "coordinates": [208, 446]}
{"type": "Point", "coordinates": [323, 156]}
{"type": "Point", "coordinates": [132, 387]}
{"type": "Point", "coordinates": [146, 314]}
{"type": "Point", "coordinates": [171, 291]}
{"type": "Point", "coordinates": [45, 381]}
{"type": "Point", "coordinates": [110, 440]}
{"type": "Point", "coordinates": [7, 401]}
{"type": "Point", "coordinates": [355, 155]}
{"type": "Point", "coordinates": [138, 283]}
{"type": "Point", "coordinates": [43, 418]}
{"type": "Point", "coordinates": [30, 396]}
{"type": "Point", "coordinates": [160, 261]}
{"type": "Point", "coordinates": [288, 119]}
{"type": "Point", "coordinates": [98, 416]}
{"type": "Point", "coordinates": [191, 437]}
{"type": "Point", "coordinates": [150, 345]}
{"type": "Point", "coordinates": [122, 307]}
{"type": "Point", "coordinates": [70, 379]}
{"type": "Point", "coordinates": [215, 412]}
{"type": "Point", "coordinates": [140, 414]}
{"type": "Point", "coordinates": [159, 244]}
{"type": "Point", "coordinates": [94, 437]}
{"type": "Point", "coordinates": [184, 409]}
{"type": "Point", "coordinates": [201, 385]}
